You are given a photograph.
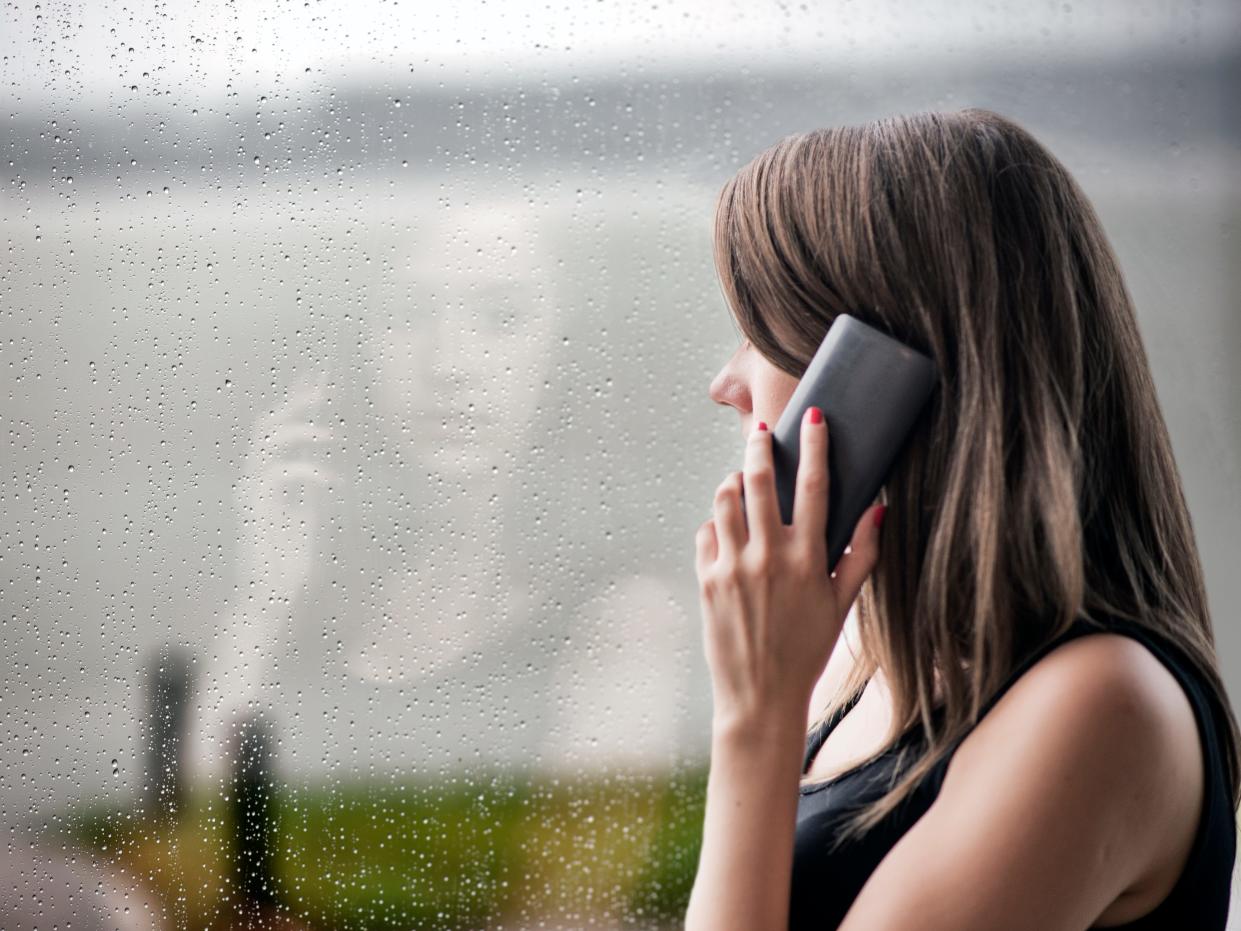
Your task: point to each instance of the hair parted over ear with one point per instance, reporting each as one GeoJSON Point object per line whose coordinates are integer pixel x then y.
{"type": "Point", "coordinates": [1039, 484]}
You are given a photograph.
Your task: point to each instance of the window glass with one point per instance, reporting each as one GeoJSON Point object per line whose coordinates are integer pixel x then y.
{"type": "Point", "coordinates": [353, 406]}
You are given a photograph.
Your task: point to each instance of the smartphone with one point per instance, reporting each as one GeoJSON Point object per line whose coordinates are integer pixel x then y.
{"type": "Point", "coordinates": [871, 389]}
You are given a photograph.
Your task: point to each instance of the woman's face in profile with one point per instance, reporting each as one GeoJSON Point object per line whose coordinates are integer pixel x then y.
{"type": "Point", "coordinates": [460, 375]}
{"type": "Point", "coordinates": [755, 387]}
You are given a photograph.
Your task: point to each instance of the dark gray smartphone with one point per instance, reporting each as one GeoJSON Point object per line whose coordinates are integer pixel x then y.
{"type": "Point", "coordinates": [871, 389]}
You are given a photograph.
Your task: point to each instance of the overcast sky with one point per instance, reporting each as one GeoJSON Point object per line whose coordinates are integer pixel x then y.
{"type": "Point", "coordinates": [110, 50]}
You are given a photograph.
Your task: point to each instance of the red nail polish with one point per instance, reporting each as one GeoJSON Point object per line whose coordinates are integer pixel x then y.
{"type": "Point", "coordinates": [762, 425]}
{"type": "Point", "coordinates": [882, 509]}
{"type": "Point", "coordinates": [816, 415]}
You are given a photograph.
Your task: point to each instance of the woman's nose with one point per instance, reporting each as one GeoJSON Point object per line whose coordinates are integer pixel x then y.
{"type": "Point", "coordinates": [715, 389]}
{"type": "Point", "coordinates": [727, 388]}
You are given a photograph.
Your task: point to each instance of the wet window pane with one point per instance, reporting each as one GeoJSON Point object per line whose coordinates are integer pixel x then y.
{"type": "Point", "coordinates": [355, 429]}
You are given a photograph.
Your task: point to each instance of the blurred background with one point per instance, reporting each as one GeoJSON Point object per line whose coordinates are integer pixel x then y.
{"type": "Point", "coordinates": [354, 419]}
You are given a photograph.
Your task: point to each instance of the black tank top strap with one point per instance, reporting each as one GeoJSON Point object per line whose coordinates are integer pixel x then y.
{"type": "Point", "coordinates": [1162, 649]}
{"type": "Point", "coordinates": [1078, 628]}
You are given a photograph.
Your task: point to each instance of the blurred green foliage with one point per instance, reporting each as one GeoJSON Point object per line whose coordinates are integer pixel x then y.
{"type": "Point", "coordinates": [466, 852]}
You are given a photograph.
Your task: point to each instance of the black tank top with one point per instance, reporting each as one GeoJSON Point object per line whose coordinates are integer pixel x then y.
{"type": "Point", "coordinates": [825, 883]}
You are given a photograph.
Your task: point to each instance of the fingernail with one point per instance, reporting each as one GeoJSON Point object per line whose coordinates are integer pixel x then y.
{"type": "Point", "coordinates": [816, 415]}
{"type": "Point", "coordinates": [879, 512]}
{"type": "Point", "coordinates": [762, 425]}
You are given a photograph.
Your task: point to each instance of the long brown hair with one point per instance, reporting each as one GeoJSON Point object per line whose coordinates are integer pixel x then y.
{"type": "Point", "coordinates": [1040, 483]}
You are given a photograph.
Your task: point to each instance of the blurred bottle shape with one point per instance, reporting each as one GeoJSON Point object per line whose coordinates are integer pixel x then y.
{"type": "Point", "coordinates": [170, 685]}
{"type": "Point", "coordinates": [255, 838]}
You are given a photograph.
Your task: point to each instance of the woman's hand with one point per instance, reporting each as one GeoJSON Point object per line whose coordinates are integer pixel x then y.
{"type": "Point", "coordinates": [771, 612]}
{"type": "Point", "coordinates": [277, 496]}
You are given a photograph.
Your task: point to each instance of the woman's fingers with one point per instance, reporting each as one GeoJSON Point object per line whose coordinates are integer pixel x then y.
{"type": "Point", "coordinates": [810, 494]}
{"type": "Point", "coordinates": [761, 509]}
{"type": "Point", "coordinates": [856, 565]}
{"type": "Point", "coordinates": [730, 531]}
{"type": "Point", "coordinates": [705, 546]}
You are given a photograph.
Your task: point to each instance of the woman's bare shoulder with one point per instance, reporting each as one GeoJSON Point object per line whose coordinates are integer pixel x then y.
{"type": "Point", "coordinates": [1100, 682]}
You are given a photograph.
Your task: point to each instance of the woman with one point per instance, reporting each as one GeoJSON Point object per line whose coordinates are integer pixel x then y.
{"type": "Point", "coordinates": [1039, 736]}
